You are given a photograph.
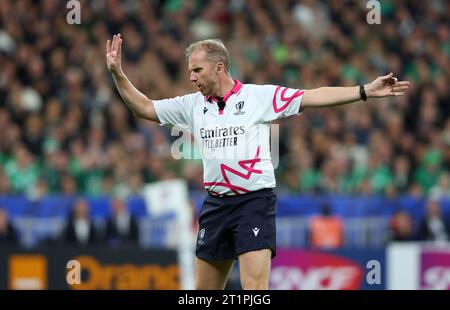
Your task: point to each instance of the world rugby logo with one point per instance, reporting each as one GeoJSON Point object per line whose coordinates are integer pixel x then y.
{"type": "Point", "coordinates": [239, 106]}
{"type": "Point", "coordinates": [201, 234]}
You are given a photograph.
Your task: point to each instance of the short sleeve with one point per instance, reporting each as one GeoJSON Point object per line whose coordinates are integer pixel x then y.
{"type": "Point", "coordinates": [279, 102]}
{"type": "Point", "coordinates": [174, 111]}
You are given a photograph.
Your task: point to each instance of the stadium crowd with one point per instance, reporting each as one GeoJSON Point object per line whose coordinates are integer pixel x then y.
{"type": "Point", "coordinates": [64, 129]}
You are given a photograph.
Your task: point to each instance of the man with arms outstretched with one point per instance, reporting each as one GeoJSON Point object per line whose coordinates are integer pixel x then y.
{"type": "Point", "coordinates": [237, 220]}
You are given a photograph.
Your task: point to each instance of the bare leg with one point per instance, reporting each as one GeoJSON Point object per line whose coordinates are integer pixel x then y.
{"type": "Point", "coordinates": [212, 275]}
{"type": "Point", "coordinates": [255, 269]}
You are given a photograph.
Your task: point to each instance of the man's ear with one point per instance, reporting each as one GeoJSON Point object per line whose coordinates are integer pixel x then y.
{"type": "Point", "coordinates": [219, 67]}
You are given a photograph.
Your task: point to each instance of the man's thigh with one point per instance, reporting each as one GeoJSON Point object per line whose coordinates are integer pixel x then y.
{"type": "Point", "coordinates": [255, 269]}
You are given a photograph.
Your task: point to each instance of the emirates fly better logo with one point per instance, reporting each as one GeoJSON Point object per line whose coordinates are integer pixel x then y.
{"type": "Point", "coordinates": [186, 146]}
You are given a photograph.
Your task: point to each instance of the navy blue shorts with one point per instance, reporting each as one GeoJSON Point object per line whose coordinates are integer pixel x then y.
{"type": "Point", "coordinates": [233, 225]}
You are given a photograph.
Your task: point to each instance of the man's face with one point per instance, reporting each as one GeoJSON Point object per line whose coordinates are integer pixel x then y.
{"type": "Point", "coordinates": [203, 73]}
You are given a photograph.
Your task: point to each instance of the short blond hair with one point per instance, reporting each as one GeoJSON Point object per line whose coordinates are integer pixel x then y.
{"type": "Point", "coordinates": [215, 51]}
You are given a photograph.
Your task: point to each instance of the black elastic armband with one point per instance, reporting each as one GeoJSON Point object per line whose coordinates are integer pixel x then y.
{"type": "Point", "coordinates": [362, 93]}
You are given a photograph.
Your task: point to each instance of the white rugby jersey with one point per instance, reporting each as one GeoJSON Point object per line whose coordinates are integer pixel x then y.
{"type": "Point", "coordinates": [234, 142]}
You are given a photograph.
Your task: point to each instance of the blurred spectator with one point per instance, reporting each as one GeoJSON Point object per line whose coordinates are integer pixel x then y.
{"type": "Point", "coordinates": [8, 235]}
{"type": "Point", "coordinates": [433, 226]}
{"type": "Point", "coordinates": [40, 190]}
{"type": "Point", "coordinates": [401, 173]}
{"type": "Point", "coordinates": [68, 185]}
{"type": "Point", "coordinates": [401, 227]}
{"type": "Point", "coordinates": [326, 230]}
{"type": "Point", "coordinates": [442, 188]}
{"type": "Point", "coordinates": [80, 229]}
{"type": "Point", "coordinates": [430, 170]}
{"type": "Point", "coordinates": [5, 187]}
{"type": "Point", "coordinates": [22, 169]}
{"type": "Point", "coordinates": [122, 227]}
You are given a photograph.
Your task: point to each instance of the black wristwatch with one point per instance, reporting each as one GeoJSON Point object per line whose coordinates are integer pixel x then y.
{"type": "Point", "coordinates": [362, 93]}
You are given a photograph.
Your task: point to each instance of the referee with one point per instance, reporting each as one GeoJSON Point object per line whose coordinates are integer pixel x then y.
{"type": "Point", "coordinates": [231, 123]}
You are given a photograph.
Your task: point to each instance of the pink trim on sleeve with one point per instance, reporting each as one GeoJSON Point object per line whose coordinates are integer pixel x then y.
{"type": "Point", "coordinates": [288, 100]}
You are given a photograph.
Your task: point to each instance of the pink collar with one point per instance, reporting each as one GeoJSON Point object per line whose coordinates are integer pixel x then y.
{"type": "Point", "coordinates": [237, 87]}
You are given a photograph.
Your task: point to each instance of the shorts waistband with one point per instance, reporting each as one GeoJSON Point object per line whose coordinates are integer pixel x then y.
{"type": "Point", "coordinates": [260, 191]}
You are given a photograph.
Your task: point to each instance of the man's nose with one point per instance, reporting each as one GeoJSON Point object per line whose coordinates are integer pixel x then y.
{"type": "Point", "coordinates": [193, 77]}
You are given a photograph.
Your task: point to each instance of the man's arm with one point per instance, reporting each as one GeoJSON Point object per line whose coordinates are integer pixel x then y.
{"type": "Point", "coordinates": [140, 105]}
{"type": "Point", "coordinates": [383, 86]}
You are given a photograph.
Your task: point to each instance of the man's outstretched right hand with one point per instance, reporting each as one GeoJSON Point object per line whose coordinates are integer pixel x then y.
{"type": "Point", "coordinates": [113, 54]}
